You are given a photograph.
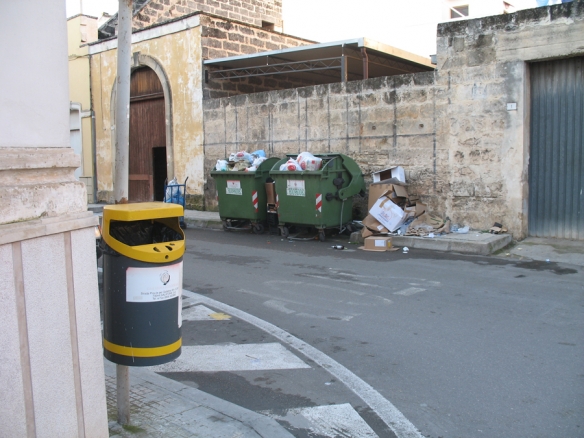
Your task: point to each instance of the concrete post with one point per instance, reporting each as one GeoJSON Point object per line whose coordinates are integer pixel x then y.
{"type": "Point", "coordinates": [122, 164]}
{"type": "Point", "coordinates": [123, 102]}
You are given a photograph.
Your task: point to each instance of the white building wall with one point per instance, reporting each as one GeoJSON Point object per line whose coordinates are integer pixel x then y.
{"type": "Point", "coordinates": [51, 373]}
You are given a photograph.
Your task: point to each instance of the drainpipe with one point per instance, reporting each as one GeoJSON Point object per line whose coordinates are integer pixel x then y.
{"type": "Point", "coordinates": [365, 63]}
{"type": "Point", "coordinates": [94, 153]}
{"type": "Point", "coordinates": [123, 102]}
{"type": "Point", "coordinates": [344, 67]}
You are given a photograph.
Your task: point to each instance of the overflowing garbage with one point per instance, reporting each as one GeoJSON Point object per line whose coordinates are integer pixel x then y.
{"type": "Point", "coordinates": [304, 161]}
{"type": "Point", "coordinates": [241, 161]}
{"type": "Point", "coordinates": [392, 211]}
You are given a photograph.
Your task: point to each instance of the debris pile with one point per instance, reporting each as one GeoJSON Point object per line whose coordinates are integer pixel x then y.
{"type": "Point", "coordinates": [241, 161]}
{"type": "Point", "coordinates": [393, 211]}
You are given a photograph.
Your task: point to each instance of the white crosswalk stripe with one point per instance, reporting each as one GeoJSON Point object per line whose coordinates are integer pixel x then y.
{"type": "Point", "coordinates": [327, 421]}
{"type": "Point", "coordinates": [232, 357]}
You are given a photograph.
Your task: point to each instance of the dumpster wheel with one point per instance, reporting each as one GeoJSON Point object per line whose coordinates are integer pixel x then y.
{"type": "Point", "coordinates": [284, 231]}
{"type": "Point", "coordinates": [258, 229]}
{"type": "Point", "coordinates": [321, 235]}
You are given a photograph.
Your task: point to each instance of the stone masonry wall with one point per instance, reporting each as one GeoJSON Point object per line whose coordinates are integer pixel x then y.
{"type": "Point", "coordinates": [464, 153]}
{"type": "Point", "coordinates": [377, 122]}
{"type": "Point", "coordinates": [248, 11]}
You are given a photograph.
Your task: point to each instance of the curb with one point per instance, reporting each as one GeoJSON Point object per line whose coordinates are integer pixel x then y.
{"type": "Point", "coordinates": [204, 223]}
{"type": "Point", "coordinates": [488, 246]}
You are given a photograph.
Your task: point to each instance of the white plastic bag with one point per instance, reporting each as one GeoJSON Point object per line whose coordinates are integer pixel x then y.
{"type": "Point", "coordinates": [308, 161]}
{"type": "Point", "coordinates": [221, 165]}
{"type": "Point", "coordinates": [241, 156]}
{"type": "Point", "coordinates": [291, 165]}
{"type": "Point", "coordinates": [311, 164]}
{"type": "Point", "coordinates": [170, 191]}
{"type": "Point", "coordinates": [251, 169]}
{"type": "Point", "coordinates": [258, 161]}
{"type": "Point", "coordinates": [259, 153]}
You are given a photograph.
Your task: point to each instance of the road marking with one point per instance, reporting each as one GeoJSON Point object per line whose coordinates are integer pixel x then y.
{"type": "Point", "coordinates": [235, 357]}
{"type": "Point", "coordinates": [202, 313]}
{"type": "Point", "coordinates": [409, 291]}
{"type": "Point", "coordinates": [357, 283]}
{"type": "Point", "coordinates": [382, 407]}
{"type": "Point", "coordinates": [279, 306]}
{"type": "Point", "coordinates": [327, 421]}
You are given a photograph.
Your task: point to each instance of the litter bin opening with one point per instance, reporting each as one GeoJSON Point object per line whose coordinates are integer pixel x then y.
{"type": "Point", "coordinates": [143, 232]}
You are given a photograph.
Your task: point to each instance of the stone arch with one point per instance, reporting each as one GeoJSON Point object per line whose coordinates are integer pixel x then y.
{"type": "Point", "coordinates": [140, 60]}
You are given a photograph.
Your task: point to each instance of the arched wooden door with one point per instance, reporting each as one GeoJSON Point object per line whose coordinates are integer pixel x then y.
{"type": "Point", "coordinates": [147, 167]}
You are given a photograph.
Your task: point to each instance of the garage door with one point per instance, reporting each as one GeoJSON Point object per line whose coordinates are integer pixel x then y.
{"type": "Point", "coordinates": [556, 162]}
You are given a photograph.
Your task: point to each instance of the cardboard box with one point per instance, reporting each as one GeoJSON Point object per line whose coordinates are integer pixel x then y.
{"type": "Point", "coordinates": [376, 190]}
{"type": "Point", "coordinates": [366, 232]}
{"type": "Point", "coordinates": [388, 214]}
{"type": "Point", "coordinates": [377, 243]}
{"type": "Point", "coordinates": [374, 225]}
{"type": "Point", "coordinates": [271, 192]}
{"type": "Point", "coordinates": [396, 172]}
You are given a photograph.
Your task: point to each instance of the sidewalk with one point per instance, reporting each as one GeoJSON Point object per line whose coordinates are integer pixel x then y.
{"type": "Point", "coordinates": [165, 408]}
{"type": "Point", "coordinates": [532, 248]}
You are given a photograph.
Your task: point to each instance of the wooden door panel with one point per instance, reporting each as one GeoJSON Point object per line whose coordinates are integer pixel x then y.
{"type": "Point", "coordinates": [147, 131]}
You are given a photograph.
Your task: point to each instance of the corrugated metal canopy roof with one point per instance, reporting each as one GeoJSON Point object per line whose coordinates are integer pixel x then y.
{"type": "Point", "coordinates": [322, 63]}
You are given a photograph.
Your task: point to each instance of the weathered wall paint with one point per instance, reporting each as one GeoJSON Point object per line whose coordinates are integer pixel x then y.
{"type": "Point", "coordinates": [179, 55]}
{"type": "Point", "coordinates": [465, 154]}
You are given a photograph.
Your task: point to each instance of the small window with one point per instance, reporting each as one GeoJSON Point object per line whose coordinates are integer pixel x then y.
{"type": "Point", "coordinates": [459, 11]}
{"type": "Point", "coordinates": [267, 25]}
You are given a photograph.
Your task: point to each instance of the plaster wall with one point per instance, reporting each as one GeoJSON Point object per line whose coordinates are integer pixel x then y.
{"type": "Point", "coordinates": [178, 55]}
{"type": "Point", "coordinates": [465, 154]}
{"type": "Point", "coordinates": [82, 29]}
{"type": "Point", "coordinates": [31, 112]}
{"type": "Point", "coordinates": [51, 373]}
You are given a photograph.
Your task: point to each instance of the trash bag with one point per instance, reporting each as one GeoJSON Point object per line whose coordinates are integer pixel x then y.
{"type": "Point", "coordinates": [291, 165]}
{"type": "Point", "coordinates": [221, 165]}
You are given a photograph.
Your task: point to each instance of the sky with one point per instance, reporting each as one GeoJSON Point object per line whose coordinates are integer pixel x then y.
{"type": "Point", "coordinates": [408, 25]}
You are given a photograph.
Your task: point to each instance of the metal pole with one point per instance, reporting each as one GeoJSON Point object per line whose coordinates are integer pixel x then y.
{"type": "Point", "coordinates": [123, 393]}
{"type": "Point", "coordinates": [122, 164]}
{"type": "Point", "coordinates": [123, 102]}
{"type": "Point", "coordinates": [365, 63]}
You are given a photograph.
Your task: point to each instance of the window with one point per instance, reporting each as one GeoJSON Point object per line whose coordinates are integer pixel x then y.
{"type": "Point", "coordinates": [459, 11]}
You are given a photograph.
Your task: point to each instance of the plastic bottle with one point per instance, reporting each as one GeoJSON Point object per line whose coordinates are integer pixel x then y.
{"type": "Point", "coordinates": [337, 247]}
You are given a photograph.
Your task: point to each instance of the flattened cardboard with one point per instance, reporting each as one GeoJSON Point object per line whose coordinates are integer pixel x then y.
{"type": "Point", "coordinates": [366, 232]}
{"type": "Point", "coordinates": [374, 225]}
{"type": "Point", "coordinates": [377, 243]}
{"type": "Point", "coordinates": [396, 192]}
{"type": "Point", "coordinates": [388, 214]}
{"type": "Point", "coordinates": [271, 192]}
{"type": "Point", "coordinates": [376, 191]}
{"type": "Point", "coordinates": [390, 172]}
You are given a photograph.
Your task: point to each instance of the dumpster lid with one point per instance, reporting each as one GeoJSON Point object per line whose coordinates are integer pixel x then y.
{"type": "Point", "coordinates": [141, 211]}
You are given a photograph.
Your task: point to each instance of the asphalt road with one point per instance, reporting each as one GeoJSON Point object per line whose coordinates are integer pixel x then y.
{"type": "Point", "coordinates": [460, 346]}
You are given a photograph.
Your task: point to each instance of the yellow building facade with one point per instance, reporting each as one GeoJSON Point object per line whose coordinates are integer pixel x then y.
{"type": "Point", "coordinates": [173, 52]}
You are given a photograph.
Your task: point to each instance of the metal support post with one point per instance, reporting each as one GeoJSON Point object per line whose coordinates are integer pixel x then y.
{"type": "Point", "coordinates": [123, 102]}
{"type": "Point", "coordinates": [122, 164]}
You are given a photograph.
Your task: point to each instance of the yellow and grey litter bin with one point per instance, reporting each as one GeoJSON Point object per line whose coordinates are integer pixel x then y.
{"type": "Point", "coordinates": [142, 283]}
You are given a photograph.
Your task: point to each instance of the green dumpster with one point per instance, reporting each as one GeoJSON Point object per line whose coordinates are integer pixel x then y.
{"type": "Point", "coordinates": [242, 196]}
{"type": "Point", "coordinates": [322, 198]}
{"type": "Point", "coordinates": [142, 280]}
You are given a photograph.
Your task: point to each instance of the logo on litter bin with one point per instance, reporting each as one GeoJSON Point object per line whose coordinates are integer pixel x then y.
{"type": "Point", "coordinates": [165, 277]}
